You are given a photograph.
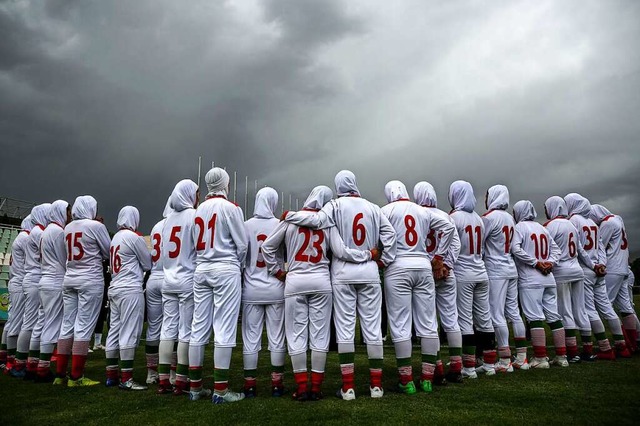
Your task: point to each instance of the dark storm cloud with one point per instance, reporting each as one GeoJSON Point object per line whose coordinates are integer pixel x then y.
{"type": "Point", "coordinates": [118, 99]}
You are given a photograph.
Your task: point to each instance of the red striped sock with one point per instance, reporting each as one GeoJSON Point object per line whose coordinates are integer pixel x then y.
{"type": "Point", "coordinates": [406, 374]}
{"type": "Point", "coordinates": [347, 371]}
{"type": "Point", "coordinates": [126, 374]}
{"type": "Point", "coordinates": [428, 371]}
{"type": "Point", "coordinates": [301, 380]}
{"type": "Point", "coordinates": [316, 381]}
{"type": "Point", "coordinates": [559, 341]}
{"type": "Point", "coordinates": [455, 364]}
{"type": "Point", "coordinates": [77, 366]}
{"type": "Point", "coordinates": [490, 356]}
{"type": "Point", "coordinates": [539, 342]}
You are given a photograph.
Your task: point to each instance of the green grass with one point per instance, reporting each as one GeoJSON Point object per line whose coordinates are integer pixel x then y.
{"type": "Point", "coordinates": [587, 393]}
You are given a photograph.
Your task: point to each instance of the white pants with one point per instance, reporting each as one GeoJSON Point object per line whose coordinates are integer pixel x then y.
{"type": "Point", "coordinates": [473, 307]}
{"type": "Point", "coordinates": [571, 306]}
{"type": "Point", "coordinates": [16, 310]}
{"type": "Point", "coordinates": [619, 293]}
{"type": "Point", "coordinates": [366, 299]}
{"type": "Point", "coordinates": [596, 299]}
{"type": "Point", "coordinates": [254, 318]}
{"type": "Point", "coordinates": [539, 304]}
{"type": "Point", "coordinates": [410, 297]}
{"type": "Point", "coordinates": [307, 322]}
{"type": "Point", "coordinates": [31, 307]}
{"type": "Point", "coordinates": [446, 303]}
{"type": "Point", "coordinates": [126, 318]}
{"type": "Point", "coordinates": [52, 306]}
{"type": "Point", "coordinates": [216, 296]}
{"type": "Point", "coordinates": [503, 300]}
{"type": "Point", "coordinates": [153, 301]}
{"type": "Point", "coordinates": [81, 309]}
{"type": "Point", "coordinates": [177, 314]}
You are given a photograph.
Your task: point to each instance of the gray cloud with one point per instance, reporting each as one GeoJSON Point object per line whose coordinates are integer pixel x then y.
{"type": "Point", "coordinates": [118, 99]}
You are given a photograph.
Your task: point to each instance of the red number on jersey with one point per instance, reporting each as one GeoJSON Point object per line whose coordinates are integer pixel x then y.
{"type": "Point", "coordinates": [474, 243]}
{"type": "Point", "coordinates": [590, 239]}
{"type": "Point", "coordinates": [200, 244]}
{"type": "Point", "coordinates": [317, 245]}
{"type": "Point", "coordinates": [431, 241]}
{"type": "Point", "coordinates": [572, 246]}
{"type": "Point", "coordinates": [260, 262]}
{"type": "Point", "coordinates": [116, 261]}
{"type": "Point", "coordinates": [625, 243]}
{"type": "Point", "coordinates": [73, 242]}
{"type": "Point", "coordinates": [411, 236]}
{"type": "Point", "coordinates": [359, 231]}
{"type": "Point", "coordinates": [155, 256]}
{"type": "Point", "coordinates": [508, 236]}
{"type": "Point", "coordinates": [541, 245]}
{"type": "Point", "coordinates": [176, 241]}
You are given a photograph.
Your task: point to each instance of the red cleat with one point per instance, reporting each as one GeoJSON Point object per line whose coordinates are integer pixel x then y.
{"type": "Point", "coordinates": [606, 355]}
{"type": "Point", "coordinates": [622, 351]}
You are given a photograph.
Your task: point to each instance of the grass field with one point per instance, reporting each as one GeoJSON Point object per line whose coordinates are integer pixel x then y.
{"type": "Point", "coordinates": [588, 393]}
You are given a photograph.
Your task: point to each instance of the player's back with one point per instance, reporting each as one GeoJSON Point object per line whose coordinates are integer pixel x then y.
{"type": "Point", "coordinates": [498, 232]}
{"type": "Point", "coordinates": [615, 239]}
{"type": "Point", "coordinates": [411, 224]}
{"type": "Point", "coordinates": [566, 237]}
{"type": "Point", "coordinates": [156, 249]}
{"type": "Point", "coordinates": [32, 263]}
{"type": "Point", "coordinates": [259, 285]}
{"type": "Point", "coordinates": [579, 209]}
{"type": "Point", "coordinates": [53, 252]}
{"type": "Point", "coordinates": [219, 234]}
{"type": "Point", "coordinates": [129, 259]}
{"type": "Point", "coordinates": [18, 257]}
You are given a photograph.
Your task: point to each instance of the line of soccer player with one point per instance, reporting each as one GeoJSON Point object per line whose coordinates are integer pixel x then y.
{"type": "Point", "coordinates": [296, 274]}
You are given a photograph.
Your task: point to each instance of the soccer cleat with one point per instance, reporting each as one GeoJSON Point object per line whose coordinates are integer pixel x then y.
{"type": "Point", "coordinates": [89, 350]}
{"type": "Point", "coordinates": [152, 377]}
{"type": "Point", "coordinates": [574, 360]}
{"type": "Point", "coordinates": [249, 392]}
{"type": "Point", "coordinates": [409, 388]}
{"type": "Point", "coordinates": [18, 374]}
{"type": "Point", "coordinates": [111, 382]}
{"type": "Point", "coordinates": [164, 390]}
{"type": "Point", "coordinates": [376, 392]}
{"type": "Point", "coordinates": [452, 377]}
{"type": "Point", "coordinates": [588, 357]}
{"type": "Point", "coordinates": [469, 373]}
{"type": "Point", "coordinates": [560, 360]}
{"type": "Point", "coordinates": [227, 396]}
{"type": "Point", "coordinates": [82, 381]}
{"type": "Point", "coordinates": [197, 394]}
{"type": "Point", "coordinates": [622, 351]}
{"type": "Point", "coordinates": [315, 396]}
{"type": "Point", "coordinates": [277, 391]}
{"type": "Point", "coordinates": [425, 385]}
{"type": "Point", "coordinates": [300, 396]}
{"type": "Point", "coordinates": [539, 363]}
{"type": "Point", "coordinates": [487, 369]}
{"type": "Point", "coordinates": [172, 377]}
{"type": "Point", "coordinates": [98, 347]}
{"type": "Point", "coordinates": [61, 381]}
{"type": "Point", "coordinates": [48, 378]}
{"type": "Point", "coordinates": [349, 395]}
{"type": "Point", "coordinates": [504, 366]}
{"type": "Point", "coordinates": [521, 365]}
{"type": "Point", "coordinates": [607, 355]}
{"type": "Point", "coordinates": [130, 385]}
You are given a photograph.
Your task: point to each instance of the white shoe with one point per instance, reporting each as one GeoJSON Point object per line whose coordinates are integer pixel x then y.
{"type": "Point", "coordinates": [488, 369]}
{"type": "Point", "coordinates": [521, 364]}
{"type": "Point", "coordinates": [540, 363]}
{"type": "Point", "coordinates": [152, 377]}
{"type": "Point", "coordinates": [227, 396]}
{"type": "Point", "coordinates": [202, 393]}
{"type": "Point", "coordinates": [172, 377]}
{"type": "Point", "coordinates": [89, 351]}
{"type": "Point", "coordinates": [131, 386]}
{"type": "Point", "coordinates": [98, 347]}
{"type": "Point", "coordinates": [349, 395]}
{"type": "Point", "coordinates": [376, 392]}
{"type": "Point", "coordinates": [469, 373]}
{"type": "Point", "coordinates": [504, 366]}
{"type": "Point", "coordinates": [560, 360]}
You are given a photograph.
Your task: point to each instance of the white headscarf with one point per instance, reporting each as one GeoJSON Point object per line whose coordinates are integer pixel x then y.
{"type": "Point", "coordinates": [346, 183]}
{"type": "Point", "coordinates": [319, 196]}
{"type": "Point", "coordinates": [184, 195]}
{"type": "Point", "coordinates": [461, 196]}
{"type": "Point", "coordinates": [128, 218]}
{"type": "Point", "coordinates": [425, 194]}
{"type": "Point", "coordinates": [217, 181]}
{"type": "Point", "coordinates": [599, 212]}
{"type": "Point", "coordinates": [167, 208]}
{"type": "Point", "coordinates": [498, 197]}
{"type": "Point", "coordinates": [85, 207]}
{"type": "Point", "coordinates": [524, 210]}
{"type": "Point", "coordinates": [577, 204]}
{"type": "Point", "coordinates": [395, 190]}
{"type": "Point", "coordinates": [27, 224]}
{"type": "Point", "coordinates": [555, 207]}
{"type": "Point", "coordinates": [58, 212]}
{"type": "Point", "coordinates": [266, 203]}
{"type": "Point", "coordinates": [40, 214]}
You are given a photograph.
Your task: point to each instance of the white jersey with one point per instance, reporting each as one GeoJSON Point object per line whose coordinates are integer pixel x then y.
{"type": "Point", "coordinates": [308, 256]}
{"type": "Point", "coordinates": [219, 234]}
{"type": "Point", "coordinates": [32, 264]}
{"type": "Point", "coordinates": [156, 249]}
{"type": "Point", "coordinates": [434, 239]}
{"type": "Point", "coordinates": [413, 224]}
{"type": "Point", "coordinates": [53, 257]}
{"type": "Point", "coordinates": [129, 260]}
{"type": "Point", "coordinates": [361, 226]}
{"type": "Point", "coordinates": [498, 230]}
{"type": "Point", "coordinates": [614, 240]}
{"type": "Point", "coordinates": [87, 245]}
{"type": "Point", "coordinates": [567, 238]}
{"type": "Point", "coordinates": [470, 266]}
{"type": "Point", "coordinates": [589, 238]}
{"type": "Point", "coordinates": [259, 285]}
{"type": "Point", "coordinates": [178, 251]}
{"type": "Point", "coordinates": [18, 258]}
{"type": "Point", "coordinates": [532, 244]}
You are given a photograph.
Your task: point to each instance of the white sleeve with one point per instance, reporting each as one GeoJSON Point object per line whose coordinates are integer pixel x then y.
{"type": "Point", "coordinates": [446, 231]}
{"type": "Point", "coordinates": [554, 251]}
{"type": "Point", "coordinates": [518, 252]}
{"type": "Point", "coordinates": [60, 249]}
{"type": "Point", "coordinates": [454, 249]}
{"type": "Point", "coordinates": [271, 247]}
{"type": "Point", "coordinates": [103, 240]}
{"type": "Point", "coordinates": [142, 253]}
{"type": "Point", "coordinates": [342, 252]}
{"type": "Point", "coordinates": [235, 221]}
{"type": "Point", "coordinates": [387, 239]}
{"type": "Point", "coordinates": [606, 232]}
{"type": "Point", "coordinates": [320, 220]}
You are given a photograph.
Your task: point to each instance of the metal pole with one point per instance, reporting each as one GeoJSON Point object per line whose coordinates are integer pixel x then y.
{"type": "Point", "coordinates": [282, 200]}
{"type": "Point", "coordinates": [289, 201]}
{"type": "Point", "coordinates": [246, 195]}
{"type": "Point", "coordinates": [199, 169]}
{"type": "Point", "coordinates": [235, 185]}
{"type": "Point", "coordinates": [297, 208]}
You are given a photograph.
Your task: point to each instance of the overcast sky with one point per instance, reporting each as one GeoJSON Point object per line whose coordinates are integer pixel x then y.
{"type": "Point", "coordinates": [117, 99]}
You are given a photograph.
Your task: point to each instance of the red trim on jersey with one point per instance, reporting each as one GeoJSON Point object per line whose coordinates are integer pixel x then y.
{"type": "Point", "coordinates": [400, 199]}
{"type": "Point", "coordinates": [40, 226]}
{"type": "Point", "coordinates": [488, 212]}
{"type": "Point", "coordinates": [56, 223]}
{"type": "Point", "coordinates": [221, 196]}
{"type": "Point", "coordinates": [428, 207]}
{"type": "Point", "coordinates": [608, 217]}
{"type": "Point", "coordinates": [308, 209]}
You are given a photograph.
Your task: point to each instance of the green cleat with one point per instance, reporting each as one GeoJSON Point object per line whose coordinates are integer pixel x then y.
{"type": "Point", "coordinates": [82, 381]}
{"type": "Point", "coordinates": [425, 385]}
{"type": "Point", "coordinates": [409, 388]}
{"type": "Point", "coordinates": [62, 381]}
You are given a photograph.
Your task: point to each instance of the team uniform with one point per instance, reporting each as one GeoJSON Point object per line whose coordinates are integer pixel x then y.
{"type": "Point", "coordinates": [473, 282]}
{"type": "Point", "coordinates": [178, 256]}
{"type": "Point", "coordinates": [16, 295]}
{"type": "Point", "coordinates": [446, 290]}
{"type": "Point", "coordinates": [33, 317]}
{"type": "Point", "coordinates": [87, 245]}
{"type": "Point", "coordinates": [409, 285]}
{"type": "Point", "coordinates": [568, 275]}
{"type": "Point", "coordinates": [221, 248]}
{"type": "Point", "coordinates": [596, 299]}
{"type": "Point", "coordinates": [54, 265]}
{"type": "Point", "coordinates": [614, 242]}
{"type": "Point", "coordinates": [534, 252]}
{"type": "Point", "coordinates": [129, 260]}
{"type": "Point", "coordinates": [308, 294]}
{"type": "Point", "coordinates": [262, 298]}
{"type": "Point", "coordinates": [503, 279]}
{"type": "Point", "coordinates": [356, 287]}
{"type": "Point", "coordinates": [153, 300]}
